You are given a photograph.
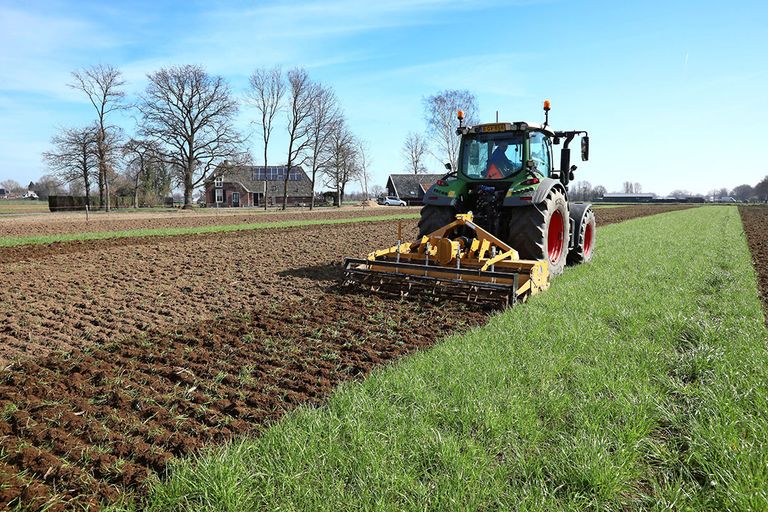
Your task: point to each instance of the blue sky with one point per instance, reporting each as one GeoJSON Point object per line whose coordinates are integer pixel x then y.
{"type": "Point", "coordinates": [668, 90]}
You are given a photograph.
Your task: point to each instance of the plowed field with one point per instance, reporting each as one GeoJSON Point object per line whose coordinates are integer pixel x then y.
{"type": "Point", "coordinates": [169, 344]}
{"type": "Point", "coordinates": [75, 223]}
{"type": "Point", "coordinates": [755, 220]}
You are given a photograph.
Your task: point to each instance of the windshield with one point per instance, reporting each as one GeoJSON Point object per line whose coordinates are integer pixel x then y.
{"type": "Point", "coordinates": [492, 156]}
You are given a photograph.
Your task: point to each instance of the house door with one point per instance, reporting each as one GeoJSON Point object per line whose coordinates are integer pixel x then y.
{"type": "Point", "coordinates": [235, 199]}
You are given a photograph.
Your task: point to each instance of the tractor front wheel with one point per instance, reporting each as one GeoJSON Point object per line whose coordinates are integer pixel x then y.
{"type": "Point", "coordinates": [584, 232]}
{"type": "Point", "coordinates": [435, 217]}
{"type": "Point", "coordinates": [541, 231]}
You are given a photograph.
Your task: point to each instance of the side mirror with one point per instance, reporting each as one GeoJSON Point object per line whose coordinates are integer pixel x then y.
{"type": "Point", "coordinates": [448, 166]}
{"type": "Point", "coordinates": [585, 148]}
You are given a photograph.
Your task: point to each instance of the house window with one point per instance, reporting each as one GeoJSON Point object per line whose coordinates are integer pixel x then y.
{"type": "Point", "coordinates": [218, 181]}
{"type": "Point", "coordinates": [219, 195]}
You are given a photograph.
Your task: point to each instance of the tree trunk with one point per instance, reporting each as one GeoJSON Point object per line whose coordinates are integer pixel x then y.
{"type": "Point", "coordinates": [136, 191]}
{"type": "Point", "coordinates": [101, 190]}
{"type": "Point", "coordinates": [87, 184]}
{"type": "Point", "coordinates": [106, 192]}
{"type": "Point", "coordinates": [188, 186]}
{"type": "Point", "coordinates": [312, 198]}
{"type": "Point", "coordinates": [285, 188]}
{"type": "Point", "coordinates": [264, 198]}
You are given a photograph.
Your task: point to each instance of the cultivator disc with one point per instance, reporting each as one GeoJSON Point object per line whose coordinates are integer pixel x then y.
{"type": "Point", "coordinates": [459, 261]}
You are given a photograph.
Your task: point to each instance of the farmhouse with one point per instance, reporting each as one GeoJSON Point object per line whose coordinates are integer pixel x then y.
{"type": "Point", "coordinates": [410, 187]}
{"type": "Point", "coordinates": [238, 186]}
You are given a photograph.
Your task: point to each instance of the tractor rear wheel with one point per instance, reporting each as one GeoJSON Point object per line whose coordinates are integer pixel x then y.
{"type": "Point", "coordinates": [541, 231]}
{"type": "Point", "coordinates": [435, 217]}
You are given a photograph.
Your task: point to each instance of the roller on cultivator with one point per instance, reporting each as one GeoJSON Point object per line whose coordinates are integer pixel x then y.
{"type": "Point", "coordinates": [459, 261]}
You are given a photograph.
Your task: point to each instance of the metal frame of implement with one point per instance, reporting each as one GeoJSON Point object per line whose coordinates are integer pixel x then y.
{"type": "Point", "coordinates": [448, 263]}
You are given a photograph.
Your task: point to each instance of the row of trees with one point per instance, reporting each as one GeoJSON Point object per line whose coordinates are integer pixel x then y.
{"type": "Point", "coordinates": [758, 192]}
{"type": "Point", "coordinates": [318, 133]}
{"type": "Point", "coordinates": [186, 128]}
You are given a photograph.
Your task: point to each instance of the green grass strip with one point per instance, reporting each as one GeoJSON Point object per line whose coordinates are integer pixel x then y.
{"type": "Point", "coordinates": [637, 382]}
{"type": "Point", "coordinates": [194, 230]}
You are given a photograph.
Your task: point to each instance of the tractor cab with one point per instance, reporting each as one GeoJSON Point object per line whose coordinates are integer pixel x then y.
{"type": "Point", "coordinates": [501, 151]}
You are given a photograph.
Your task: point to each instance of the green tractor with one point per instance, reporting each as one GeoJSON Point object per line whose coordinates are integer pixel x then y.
{"type": "Point", "coordinates": [507, 179]}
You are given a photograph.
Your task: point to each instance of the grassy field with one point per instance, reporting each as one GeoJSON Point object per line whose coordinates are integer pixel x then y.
{"type": "Point", "coordinates": [10, 206]}
{"type": "Point", "coordinates": [637, 382]}
{"type": "Point", "coordinates": [194, 230]}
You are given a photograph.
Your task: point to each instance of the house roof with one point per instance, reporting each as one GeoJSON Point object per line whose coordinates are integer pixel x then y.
{"type": "Point", "coordinates": [410, 185]}
{"type": "Point", "coordinates": [245, 175]}
{"type": "Point", "coordinates": [619, 194]}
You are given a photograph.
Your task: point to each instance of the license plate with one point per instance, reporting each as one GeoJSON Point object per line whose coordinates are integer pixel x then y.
{"type": "Point", "coordinates": [498, 127]}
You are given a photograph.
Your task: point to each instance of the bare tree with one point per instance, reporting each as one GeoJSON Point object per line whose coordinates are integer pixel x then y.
{"type": "Point", "coordinates": [102, 84]}
{"type": "Point", "coordinates": [414, 150]}
{"type": "Point", "coordinates": [440, 114]}
{"type": "Point", "coordinates": [74, 158]}
{"type": "Point", "coordinates": [141, 155]}
{"type": "Point", "coordinates": [12, 186]}
{"type": "Point", "coordinates": [342, 167]}
{"type": "Point", "coordinates": [598, 192]}
{"type": "Point", "coordinates": [580, 191]}
{"type": "Point", "coordinates": [363, 162]}
{"type": "Point", "coordinates": [378, 191]}
{"type": "Point", "coordinates": [628, 187]}
{"type": "Point", "coordinates": [325, 114]}
{"type": "Point", "coordinates": [301, 98]}
{"type": "Point", "coordinates": [46, 185]}
{"type": "Point", "coordinates": [190, 113]}
{"type": "Point", "coordinates": [266, 92]}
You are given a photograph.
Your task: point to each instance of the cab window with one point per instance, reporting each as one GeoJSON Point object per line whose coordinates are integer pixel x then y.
{"type": "Point", "coordinates": [540, 151]}
{"type": "Point", "coordinates": [492, 156]}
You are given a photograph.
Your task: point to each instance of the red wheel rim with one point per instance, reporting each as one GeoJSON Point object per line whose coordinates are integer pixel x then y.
{"type": "Point", "coordinates": [588, 238]}
{"type": "Point", "coordinates": [555, 237]}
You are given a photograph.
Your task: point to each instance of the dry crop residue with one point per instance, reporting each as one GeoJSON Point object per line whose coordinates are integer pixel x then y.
{"type": "Point", "coordinates": [755, 220]}
{"type": "Point", "coordinates": [179, 342]}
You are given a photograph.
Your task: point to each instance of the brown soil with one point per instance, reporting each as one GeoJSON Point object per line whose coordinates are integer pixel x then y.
{"type": "Point", "coordinates": [755, 220]}
{"type": "Point", "coordinates": [175, 343]}
{"type": "Point", "coordinates": [53, 225]}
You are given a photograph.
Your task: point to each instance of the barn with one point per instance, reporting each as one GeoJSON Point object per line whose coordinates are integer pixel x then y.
{"type": "Point", "coordinates": [237, 186]}
{"type": "Point", "coordinates": [411, 187]}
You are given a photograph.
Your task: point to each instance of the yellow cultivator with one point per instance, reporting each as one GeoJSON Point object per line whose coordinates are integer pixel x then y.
{"type": "Point", "coordinates": [460, 260]}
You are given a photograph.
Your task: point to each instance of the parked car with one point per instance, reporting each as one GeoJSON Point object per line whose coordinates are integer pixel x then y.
{"type": "Point", "coordinates": [392, 201]}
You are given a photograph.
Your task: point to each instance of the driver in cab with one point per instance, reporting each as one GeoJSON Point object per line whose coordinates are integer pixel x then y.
{"type": "Point", "coordinates": [499, 166]}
